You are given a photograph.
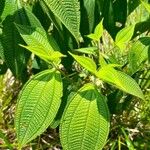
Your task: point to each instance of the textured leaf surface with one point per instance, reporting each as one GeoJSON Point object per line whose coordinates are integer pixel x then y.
{"type": "Point", "coordinates": [138, 53]}
{"type": "Point", "coordinates": [120, 80]}
{"type": "Point", "coordinates": [86, 62]}
{"type": "Point", "coordinates": [15, 56]}
{"type": "Point", "coordinates": [37, 105]}
{"type": "Point", "coordinates": [39, 51]}
{"type": "Point", "coordinates": [124, 36]}
{"type": "Point", "coordinates": [85, 122]}
{"type": "Point", "coordinates": [68, 12]}
{"type": "Point", "coordinates": [89, 5]}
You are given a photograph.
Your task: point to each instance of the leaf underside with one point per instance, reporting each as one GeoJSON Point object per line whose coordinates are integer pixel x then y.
{"type": "Point", "coordinates": [37, 106]}
{"type": "Point", "coordinates": [85, 122]}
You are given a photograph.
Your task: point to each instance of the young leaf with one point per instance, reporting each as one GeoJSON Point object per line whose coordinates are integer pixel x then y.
{"type": "Point", "coordinates": [97, 32]}
{"type": "Point", "coordinates": [15, 56]}
{"type": "Point", "coordinates": [86, 62]}
{"type": "Point", "coordinates": [85, 122]}
{"type": "Point", "coordinates": [120, 80]}
{"type": "Point", "coordinates": [101, 59]}
{"type": "Point", "coordinates": [37, 105]}
{"type": "Point", "coordinates": [124, 36]}
{"type": "Point", "coordinates": [68, 12]}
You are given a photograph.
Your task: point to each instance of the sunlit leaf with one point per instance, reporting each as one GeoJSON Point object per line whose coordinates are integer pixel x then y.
{"type": "Point", "coordinates": [39, 51]}
{"type": "Point", "coordinates": [97, 32]}
{"type": "Point", "coordinates": [85, 122]}
{"type": "Point", "coordinates": [37, 105]}
{"type": "Point", "coordinates": [120, 80]}
{"type": "Point", "coordinates": [86, 62]}
{"type": "Point", "coordinates": [124, 36]}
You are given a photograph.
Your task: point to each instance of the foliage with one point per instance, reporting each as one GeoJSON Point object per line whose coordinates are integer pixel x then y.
{"type": "Point", "coordinates": [82, 71]}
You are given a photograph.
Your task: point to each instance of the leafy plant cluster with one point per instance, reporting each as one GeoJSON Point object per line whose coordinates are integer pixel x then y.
{"type": "Point", "coordinates": [82, 65]}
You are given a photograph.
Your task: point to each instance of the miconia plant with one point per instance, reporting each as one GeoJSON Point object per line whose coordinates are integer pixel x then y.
{"type": "Point", "coordinates": [73, 71]}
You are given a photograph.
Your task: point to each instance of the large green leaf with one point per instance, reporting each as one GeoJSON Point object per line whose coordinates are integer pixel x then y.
{"type": "Point", "coordinates": [85, 122]}
{"type": "Point", "coordinates": [124, 36]}
{"type": "Point", "coordinates": [37, 37]}
{"type": "Point", "coordinates": [37, 105]}
{"type": "Point", "coordinates": [68, 12]}
{"type": "Point", "coordinates": [39, 51]}
{"type": "Point", "coordinates": [86, 62]}
{"type": "Point", "coordinates": [120, 80]}
{"type": "Point", "coordinates": [87, 50]}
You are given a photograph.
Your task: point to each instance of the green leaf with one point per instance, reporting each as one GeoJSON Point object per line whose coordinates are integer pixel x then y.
{"type": "Point", "coordinates": [68, 12]}
{"type": "Point", "coordinates": [35, 37]}
{"type": "Point", "coordinates": [85, 62]}
{"type": "Point", "coordinates": [138, 53]}
{"type": "Point", "coordinates": [146, 5]}
{"type": "Point", "coordinates": [9, 8]}
{"type": "Point", "coordinates": [39, 51]}
{"type": "Point", "coordinates": [38, 42]}
{"type": "Point", "coordinates": [85, 122]}
{"type": "Point", "coordinates": [87, 50]}
{"type": "Point", "coordinates": [97, 32]}
{"type": "Point", "coordinates": [120, 80]}
{"type": "Point", "coordinates": [124, 36]}
{"type": "Point", "coordinates": [37, 105]}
